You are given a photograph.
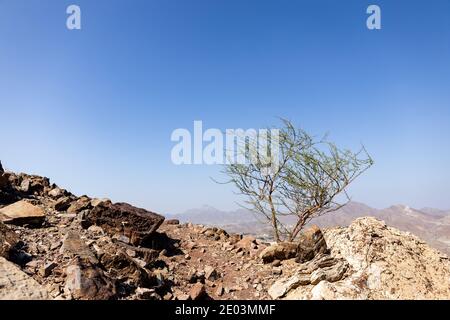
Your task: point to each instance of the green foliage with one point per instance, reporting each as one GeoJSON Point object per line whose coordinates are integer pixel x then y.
{"type": "Point", "coordinates": [308, 176]}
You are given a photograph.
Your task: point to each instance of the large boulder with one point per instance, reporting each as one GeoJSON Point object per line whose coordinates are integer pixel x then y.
{"type": "Point", "coordinates": [311, 243]}
{"type": "Point", "coordinates": [368, 260]}
{"type": "Point", "coordinates": [128, 271]}
{"type": "Point", "coordinates": [323, 267]}
{"type": "Point", "coordinates": [389, 263]}
{"type": "Point", "coordinates": [123, 219]}
{"type": "Point", "coordinates": [279, 251]}
{"type": "Point", "coordinates": [31, 184]}
{"type": "Point", "coordinates": [57, 193]}
{"type": "Point", "coordinates": [82, 203]}
{"type": "Point", "coordinates": [74, 246]}
{"type": "Point", "coordinates": [62, 204]}
{"type": "Point", "coordinates": [85, 280]}
{"type": "Point", "coordinates": [22, 212]}
{"type": "Point", "coordinates": [17, 285]}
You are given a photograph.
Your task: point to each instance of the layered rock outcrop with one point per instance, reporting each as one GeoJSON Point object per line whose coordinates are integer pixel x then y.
{"type": "Point", "coordinates": [369, 260]}
{"type": "Point", "coordinates": [138, 225]}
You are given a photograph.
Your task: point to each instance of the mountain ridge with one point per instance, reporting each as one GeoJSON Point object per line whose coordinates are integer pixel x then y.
{"type": "Point", "coordinates": [430, 224]}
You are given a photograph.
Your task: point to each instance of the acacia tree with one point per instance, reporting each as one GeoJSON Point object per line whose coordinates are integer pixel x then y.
{"type": "Point", "coordinates": [308, 177]}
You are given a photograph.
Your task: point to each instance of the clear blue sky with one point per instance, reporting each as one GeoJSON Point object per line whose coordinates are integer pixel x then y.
{"type": "Point", "coordinates": [94, 109]}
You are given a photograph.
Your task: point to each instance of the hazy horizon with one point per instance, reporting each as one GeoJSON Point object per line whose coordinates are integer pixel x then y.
{"type": "Point", "coordinates": [355, 202]}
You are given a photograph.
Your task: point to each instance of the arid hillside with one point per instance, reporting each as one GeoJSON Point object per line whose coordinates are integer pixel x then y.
{"type": "Point", "coordinates": [55, 245]}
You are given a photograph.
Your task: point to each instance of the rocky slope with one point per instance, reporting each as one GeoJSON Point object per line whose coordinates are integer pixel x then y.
{"type": "Point", "coordinates": [55, 245]}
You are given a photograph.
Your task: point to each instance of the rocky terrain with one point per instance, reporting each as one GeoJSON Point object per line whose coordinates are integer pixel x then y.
{"type": "Point", "coordinates": [56, 245]}
{"type": "Point", "coordinates": [375, 261]}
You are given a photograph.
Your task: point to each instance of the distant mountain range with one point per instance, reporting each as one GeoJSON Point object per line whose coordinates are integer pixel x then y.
{"type": "Point", "coordinates": [431, 225]}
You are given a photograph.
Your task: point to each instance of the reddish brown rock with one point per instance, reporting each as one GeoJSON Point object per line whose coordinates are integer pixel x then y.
{"type": "Point", "coordinates": [4, 180]}
{"type": "Point", "coordinates": [124, 219]}
{"type": "Point", "coordinates": [146, 254]}
{"type": "Point", "coordinates": [126, 269]}
{"type": "Point", "coordinates": [62, 204]}
{"type": "Point", "coordinates": [198, 291]}
{"type": "Point", "coordinates": [47, 269]}
{"type": "Point", "coordinates": [247, 243]}
{"type": "Point", "coordinates": [219, 290]}
{"type": "Point", "coordinates": [211, 273]}
{"type": "Point", "coordinates": [31, 184]}
{"type": "Point", "coordinates": [8, 239]}
{"type": "Point", "coordinates": [279, 251]}
{"type": "Point", "coordinates": [310, 244]}
{"type": "Point", "coordinates": [85, 281]}
{"type": "Point", "coordinates": [7, 193]}
{"type": "Point", "coordinates": [79, 205]}
{"type": "Point", "coordinates": [57, 193]}
{"type": "Point", "coordinates": [74, 246]}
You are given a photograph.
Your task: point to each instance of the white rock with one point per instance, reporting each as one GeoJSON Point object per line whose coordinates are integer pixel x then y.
{"type": "Point", "coordinates": [17, 285]}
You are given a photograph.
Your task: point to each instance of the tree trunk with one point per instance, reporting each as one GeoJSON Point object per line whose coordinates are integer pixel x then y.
{"type": "Point", "coordinates": [274, 220]}
{"type": "Point", "coordinates": [299, 226]}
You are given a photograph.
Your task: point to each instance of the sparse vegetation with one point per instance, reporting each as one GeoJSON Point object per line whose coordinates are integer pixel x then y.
{"type": "Point", "coordinates": [308, 176]}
